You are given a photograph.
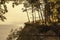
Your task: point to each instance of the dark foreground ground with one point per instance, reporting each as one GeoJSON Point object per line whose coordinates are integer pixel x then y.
{"type": "Point", "coordinates": [40, 32]}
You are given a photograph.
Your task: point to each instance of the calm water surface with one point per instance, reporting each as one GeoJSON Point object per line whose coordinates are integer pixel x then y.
{"type": "Point", "coordinates": [5, 29]}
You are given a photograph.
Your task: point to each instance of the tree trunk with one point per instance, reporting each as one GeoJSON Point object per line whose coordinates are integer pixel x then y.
{"type": "Point", "coordinates": [35, 16]}
{"type": "Point", "coordinates": [28, 17]}
{"type": "Point", "coordinates": [39, 15]}
{"type": "Point", "coordinates": [32, 14]}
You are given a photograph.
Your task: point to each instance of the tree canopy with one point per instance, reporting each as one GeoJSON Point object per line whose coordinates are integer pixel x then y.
{"type": "Point", "coordinates": [34, 4]}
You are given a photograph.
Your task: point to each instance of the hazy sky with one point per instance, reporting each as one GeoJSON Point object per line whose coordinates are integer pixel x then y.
{"type": "Point", "coordinates": [15, 15]}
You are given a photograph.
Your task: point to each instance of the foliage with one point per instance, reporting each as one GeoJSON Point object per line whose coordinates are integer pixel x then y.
{"type": "Point", "coordinates": [2, 12]}
{"type": "Point", "coordinates": [14, 34]}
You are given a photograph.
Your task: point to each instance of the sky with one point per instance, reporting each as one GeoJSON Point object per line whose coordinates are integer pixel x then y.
{"type": "Point", "coordinates": [14, 15]}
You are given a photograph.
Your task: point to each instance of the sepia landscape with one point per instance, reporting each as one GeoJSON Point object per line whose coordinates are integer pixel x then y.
{"type": "Point", "coordinates": [29, 19]}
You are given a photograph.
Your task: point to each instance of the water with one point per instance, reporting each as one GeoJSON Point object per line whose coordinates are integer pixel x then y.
{"type": "Point", "coordinates": [5, 30]}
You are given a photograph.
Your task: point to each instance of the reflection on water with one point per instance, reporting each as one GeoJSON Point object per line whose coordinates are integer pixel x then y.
{"type": "Point", "coordinates": [5, 29]}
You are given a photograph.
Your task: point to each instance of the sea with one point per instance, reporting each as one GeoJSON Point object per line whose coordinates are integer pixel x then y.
{"type": "Point", "coordinates": [5, 30]}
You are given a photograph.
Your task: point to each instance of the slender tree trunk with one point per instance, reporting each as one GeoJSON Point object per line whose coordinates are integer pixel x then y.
{"type": "Point", "coordinates": [32, 14]}
{"type": "Point", "coordinates": [28, 16]}
{"type": "Point", "coordinates": [39, 15]}
{"type": "Point", "coordinates": [35, 17]}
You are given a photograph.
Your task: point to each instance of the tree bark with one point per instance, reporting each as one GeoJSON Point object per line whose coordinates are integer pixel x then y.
{"type": "Point", "coordinates": [28, 17]}
{"type": "Point", "coordinates": [32, 14]}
